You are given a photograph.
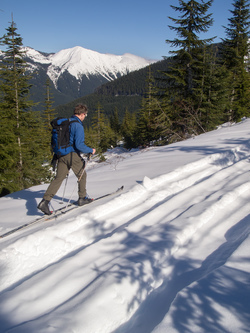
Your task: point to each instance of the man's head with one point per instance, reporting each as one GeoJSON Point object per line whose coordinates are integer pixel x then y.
{"type": "Point", "coordinates": [81, 111]}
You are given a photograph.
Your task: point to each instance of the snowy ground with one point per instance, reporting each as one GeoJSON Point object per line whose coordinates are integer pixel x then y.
{"type": "Point", "coordinates": [169, 254]}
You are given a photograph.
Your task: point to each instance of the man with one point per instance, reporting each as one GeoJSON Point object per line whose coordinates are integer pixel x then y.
{"type": "Point", "coordinates": [71, 161]}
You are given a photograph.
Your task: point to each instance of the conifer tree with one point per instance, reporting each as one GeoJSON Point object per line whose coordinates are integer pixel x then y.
{"type": "Point", "coordinates": [114, 121]}
{"type": "Point", "coordinates": [213, 91]}
{"type": "Point", "coordinates": [128, 128]}
{"type": "Point", "coordinates": [115, 126]}
{"type": "Point", "coordinates": [98, 126]}
{"type": "Point", "coordinates": [148, 128]}
{"type": "Point", "coordinates": [184, 77]}
{"type": "Point", "coordinates": [47, 116]}
{"type": "Point", "coordinates": [193, 20]}
{"type": "Point", "coordinates": [90, 138]}
{"type": "Point", "coordinates": [20, 155]}
{"type": "Point", "coordinates": [235, 51]}
{"type": "Point", "coordinates": [49, 111]}
{"type": "Point", "coordinates": [103, 134]}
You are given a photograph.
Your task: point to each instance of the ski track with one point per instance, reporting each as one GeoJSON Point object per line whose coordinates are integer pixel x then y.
{"type": "Point", "coordinates": [151, 194]}
{"type": "Point", "coordinates": [149, 217]}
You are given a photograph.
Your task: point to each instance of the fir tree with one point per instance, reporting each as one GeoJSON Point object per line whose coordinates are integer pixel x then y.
{"type": "Point", "coordinates": [212, 90]}
{"type": "Point", "coordinates": [103, 134]}
{"type": "Point", "coordinates": [20, 155]}
{"type": "Point", "coordinates": [148, 127]}
{"type": "Point", "coordinates": [49, 111]}
{"type": "Point", "coordinates": [235, 54]}
{"type": "Point", "coordinates": [193, 20]}
{"type": "Point", "coordinates": [128, 128]}
{"type": "Point", "coordinates": [47, 116]}
{"type": "Point", "coordinates": [185, 75]}
{"type": "Point", "coordinates": [114, 121]}
{"type": "Point", "coordinates": [115, 126]}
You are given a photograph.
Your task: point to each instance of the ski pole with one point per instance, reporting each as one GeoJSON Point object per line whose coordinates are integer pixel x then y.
{"type": "Point", "coordinates": [61, 202]}
{"type": "Point", "coordinates": [78, 180]}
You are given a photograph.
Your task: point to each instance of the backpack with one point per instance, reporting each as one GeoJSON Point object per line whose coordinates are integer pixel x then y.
{"type": "Point", "coordinates": [60, 136]}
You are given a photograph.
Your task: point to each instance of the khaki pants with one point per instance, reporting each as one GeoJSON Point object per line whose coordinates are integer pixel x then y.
{"type": "Point", "coordinates": [65, 163]}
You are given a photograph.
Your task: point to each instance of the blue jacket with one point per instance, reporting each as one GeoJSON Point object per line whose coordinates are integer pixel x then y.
{"type": "Point", "coordinates": [77, 137]}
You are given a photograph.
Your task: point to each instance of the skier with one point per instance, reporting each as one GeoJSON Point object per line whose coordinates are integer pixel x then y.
{"type": "Point", "coordinates": [71, 160]}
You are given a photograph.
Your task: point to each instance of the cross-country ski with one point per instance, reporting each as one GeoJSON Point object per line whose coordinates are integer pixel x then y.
{"type": "Point", "coordinates": [56, 213]}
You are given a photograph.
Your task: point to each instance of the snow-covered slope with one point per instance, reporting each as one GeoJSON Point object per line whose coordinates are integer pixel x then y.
{"type": "Point", "coordinates": [79, 61]}
{"type": "Point", "coordinates": [169, 254]}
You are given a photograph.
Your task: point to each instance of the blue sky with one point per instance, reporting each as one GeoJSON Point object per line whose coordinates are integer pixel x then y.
{"type": "Point", "coordinates": [139, 27]}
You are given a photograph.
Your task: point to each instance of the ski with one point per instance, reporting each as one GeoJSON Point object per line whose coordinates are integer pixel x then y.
{"type": "Point", "coordinates": [58, 212]}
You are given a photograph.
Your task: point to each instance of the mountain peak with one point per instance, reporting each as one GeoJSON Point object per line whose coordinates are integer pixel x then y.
{"type": "Point", "coordinates": [78, 62]}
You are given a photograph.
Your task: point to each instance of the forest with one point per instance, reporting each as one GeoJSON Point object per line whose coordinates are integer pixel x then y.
{"type": "Point", "coordinates": [198, 87]}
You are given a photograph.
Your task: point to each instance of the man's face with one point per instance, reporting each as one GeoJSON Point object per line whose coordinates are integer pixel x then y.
{"type": "Point", "coordinates": [82, 116]}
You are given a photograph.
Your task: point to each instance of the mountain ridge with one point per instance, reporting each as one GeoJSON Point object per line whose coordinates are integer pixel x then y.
{"type": "Point", "coordinates": [75, 72]}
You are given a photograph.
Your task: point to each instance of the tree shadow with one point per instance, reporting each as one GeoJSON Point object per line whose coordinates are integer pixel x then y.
{"type": "Point", "coordinates": [226, 144]}
{"type": "Point", "coordinates": [196, 304]}
{"type": "Point", "coordinates": [6, 318]}
{"type": "Point", "coordinates": [5, 323]}
{"type": "Point", "coordinates": [131, 241]}
{"type": "Point", "coordinates": [32, 198]}
{"type": "Point", "coordinates": [150, 249]}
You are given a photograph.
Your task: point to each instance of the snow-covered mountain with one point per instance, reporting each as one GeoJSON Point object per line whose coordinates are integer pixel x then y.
{"type": "Point", "coordinates": [78, 70]}
{"type": "Point", "coordinates": [79, 61]}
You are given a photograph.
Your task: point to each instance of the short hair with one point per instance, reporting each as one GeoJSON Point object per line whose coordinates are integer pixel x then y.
{"type": "Point", "coordinates": [80, 108]}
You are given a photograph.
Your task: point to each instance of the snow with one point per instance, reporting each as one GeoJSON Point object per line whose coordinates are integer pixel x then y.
{"type": "Point", "coordinates": [79, 61]}
{"type": "Point", "coordinates": [36, 56]}
{"type": "Point", "coordinates": [168, 254]}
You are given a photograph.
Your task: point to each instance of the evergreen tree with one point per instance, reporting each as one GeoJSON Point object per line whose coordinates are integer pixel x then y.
{"type": "Point", "coordinates": [213, 91]}
{"type": "Point", "coordinates": [103, 134]}
{"type": "Point", "coordinates": [128, 128]}
{"type": "Point", "coordinates": [148, 128]}
{"type": "Point", "coordinates": [90, 137]}
{"type": "Point", "coordinates": [114, 121]}
{"type": "Point", "coordinates": [20, 155]}
{"type": "Point", "coordinates": [186, 62]}
{"type": "Point", "coordinates": [49, 111]}
{"type": "Point", "coordinates": [184, 78]}
{"type": "Point", "coordinates": [235, 53]}
{"type": "Point", "coordinates": [47, 116]}
{"type": "Point", "coordinates": [115, 126]}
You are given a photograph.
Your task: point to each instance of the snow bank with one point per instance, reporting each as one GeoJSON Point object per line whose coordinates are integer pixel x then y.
{"type": "Point", "coordinates": [170, 254]}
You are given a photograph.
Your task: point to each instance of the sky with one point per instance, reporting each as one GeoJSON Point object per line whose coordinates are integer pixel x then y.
{"type": "Point", "coordinates": [132, 26]}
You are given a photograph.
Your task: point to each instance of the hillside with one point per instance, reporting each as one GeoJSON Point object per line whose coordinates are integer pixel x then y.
{"type": "Point", "coordinates": [123, 93]}
{"type": "Point", "coordinates": [76, 72]}
{"type": "Point", "coordinates": [169, 254]}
